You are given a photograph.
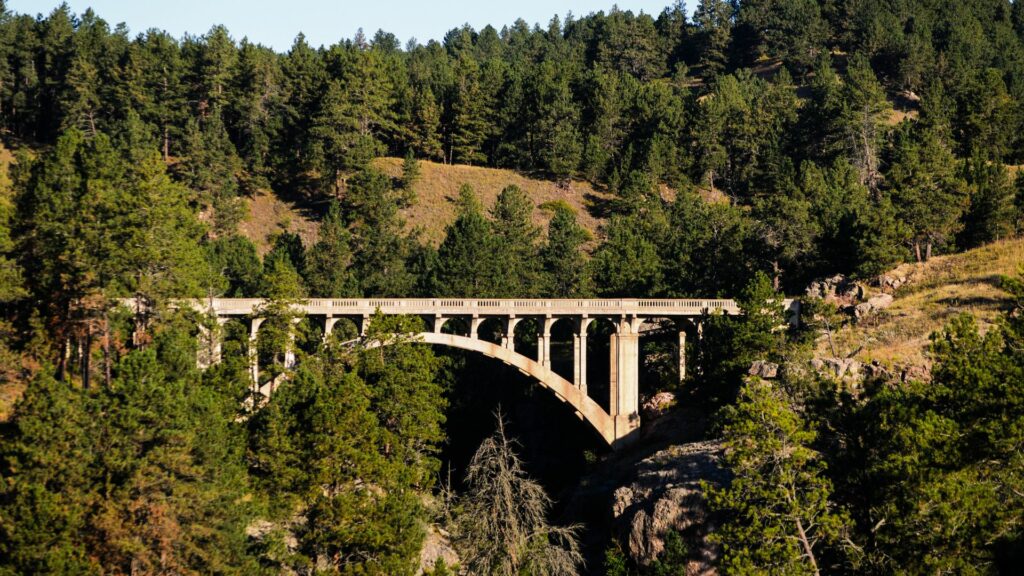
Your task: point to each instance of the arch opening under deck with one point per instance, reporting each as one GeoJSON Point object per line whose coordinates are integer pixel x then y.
{"type": "Point", "coordinates": [612, 430]}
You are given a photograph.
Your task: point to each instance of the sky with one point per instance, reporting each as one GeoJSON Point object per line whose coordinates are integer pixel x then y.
{"type": "Point", "coordinates": [276, 23]}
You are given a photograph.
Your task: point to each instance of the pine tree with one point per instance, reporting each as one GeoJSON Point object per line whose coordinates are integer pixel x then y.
{"type": "Point", "coordinates": [380, 247]}
{"type": "Point", "coordinates": [515, 252]}
{"type": "Point", "coordinates": [328, 261]}
{"type": "Point", "coordinates": [990, 214]}
{"type": "Point", "coordinates": [562, 255]}
{"type": "Point", "coordinates": [467, 126]}
{"type": "Point", "coordinates": [714, 21]}
{"type": "Point", "coordinates": [627, 264]}
{"type": "Point", "coordinates": [778, 502]}
{"type": "Point", "coordinates": [466, 263]}
{"type": "Point", "coordinates": [863, 120]}
{"type": "Point", "coordinates": [928, 195]}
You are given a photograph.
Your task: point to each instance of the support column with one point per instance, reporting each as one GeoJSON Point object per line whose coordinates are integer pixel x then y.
{"type": "Point", "coordinates": [254, 357]}
{"type": "Point", "coordinates": [682, 356]}
{"type": "Point", "coordinates": [544, 342]}
{"type": "Point", "coordinates": [625, 376]}
{"type": "Point", "coordinates": [579, 357]}
{"type": "Point", "coordinates": [210, 343]}
{"type": "Point", "coordinates": [364, 324]}
{"type": "Point", "coordinates": [474, 326]}
{"type": "Point", "coordinates": [289, 350]}
{"type": "Point", "coordinates": [439, 323]}
{"type": "Point", "coordinates": [508, 341]}
{"type": "Point", "coordinates": [329, 323]}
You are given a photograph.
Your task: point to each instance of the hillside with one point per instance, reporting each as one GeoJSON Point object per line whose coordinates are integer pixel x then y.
{"type": "Point", "coordinates": [934, 292]}
{"type": "Point", "coordinates": [437, 191]}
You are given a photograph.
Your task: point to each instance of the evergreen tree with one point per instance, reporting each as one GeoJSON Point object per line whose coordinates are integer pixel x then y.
{"type": "Point", "coordinates": [714, 22]}
{"type": "Point", "coordinates": [465, 258]}
{"type": "Point", "coordinates": [516, 264]}
{"type": "Point", "coordinates": [864, 112]}
{"type": "Point", "coordinates": [328, 261]}
{"type": "Point", "coordinates": [564, 264]}
{"type": "Point", "coordinates": [379, 247]}
{"type": "Point", "coordinates": [990, 214]}
{"type": "Point", "coordinates": [627, 263]}
{"type": "Point", "coordinates": [926, 191]}
{"type": "Point", "coordinates": [781, 518]}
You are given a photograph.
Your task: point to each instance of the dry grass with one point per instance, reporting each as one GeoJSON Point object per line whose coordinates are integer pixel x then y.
{"type": "Point", "coordinates": [936, 291]}
{"type": "Point", "coordinates": [10, 392]}
{"type": "Point", "coordinates": [268, 215]}
{"type": "Point", "coordinates": [437, 192]}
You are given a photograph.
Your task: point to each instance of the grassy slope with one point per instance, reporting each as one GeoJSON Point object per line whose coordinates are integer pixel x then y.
{"type": "Point", "coordinates": [936, 291]}
{"type": "Point", "coordinates": [438, 190]}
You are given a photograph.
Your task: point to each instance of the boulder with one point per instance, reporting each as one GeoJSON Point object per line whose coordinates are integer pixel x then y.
{"type": "Point", "coordinates": [873, 305]}
{"type": "Point", "coordinates": [891, 284]}
{"type": "Point", "coordinates": [836, 287]}
{"type": "Point", "coordinates": [762, 369]}
{"type": "Point", "coordinates": [837, 367]}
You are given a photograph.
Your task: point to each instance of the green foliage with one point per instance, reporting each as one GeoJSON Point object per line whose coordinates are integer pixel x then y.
{"type": "Point", "coordinates": [148, 473]}
{"type": "Point", "coordinates": [564, 263]}
{"type": "Point", "coordinates": [627, 263]}
{"type": "Point", "coordinates": [353, 448]}
{"type": "Point", "coordinates": [780, 516]}
{"type": "Point", "coordinates": [328, 261]}
{"type": "Point", "coordinates": [945, 450]}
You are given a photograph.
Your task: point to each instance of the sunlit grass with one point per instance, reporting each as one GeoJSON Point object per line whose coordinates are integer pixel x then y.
{"type": "Point", "coordinates": [936, 291]}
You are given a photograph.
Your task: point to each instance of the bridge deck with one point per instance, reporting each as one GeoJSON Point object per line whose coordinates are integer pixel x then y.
{"type": "Point", "coordinates": [482, 307]}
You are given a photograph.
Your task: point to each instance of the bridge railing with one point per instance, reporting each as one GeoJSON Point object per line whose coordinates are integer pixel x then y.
{"type": "Point", "coordinates": [483, 306]}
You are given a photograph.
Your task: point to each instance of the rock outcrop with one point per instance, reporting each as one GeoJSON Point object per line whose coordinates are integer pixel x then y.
{"type": "Point", "coordinates": [436, 546]}
{"type": "Point", "coordinates": [836, 287]}
{"type": "Point", "coordinates": [666, 495]}
{"type": "Point", "coordinates": [762, 369]}
{"type": "Point", "coordinates": [873, 305]}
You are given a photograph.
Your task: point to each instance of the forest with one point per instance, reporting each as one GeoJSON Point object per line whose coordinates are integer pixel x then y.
{"type": "Point", "coordinates": [741, 152]}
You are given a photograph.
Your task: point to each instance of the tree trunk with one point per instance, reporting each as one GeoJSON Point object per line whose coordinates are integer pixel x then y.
{"type": "Point", "coordinates": [917, 251]}
{"type": "Point", "coordinates": [106, 349]}
{"type": "Point", "coordinates": [62, 364]}
{"type": "Point", "coordinates": [167, 143]}
{"type": "Point", "coordinates": [806, 546]}
{"type": "Point", "coordinates": [928, 251]}
{"type": "Point", "coordinates": [86, 354]}
{"type": "Point", "coordinates": [776, 275]}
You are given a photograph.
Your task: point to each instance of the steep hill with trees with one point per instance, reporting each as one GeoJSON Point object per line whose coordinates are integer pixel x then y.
{"type": "Point", "coordinates": [743, 152]}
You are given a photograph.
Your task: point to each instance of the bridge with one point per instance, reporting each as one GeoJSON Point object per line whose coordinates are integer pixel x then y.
{"type": "Point", "coordinates": [442, 315]}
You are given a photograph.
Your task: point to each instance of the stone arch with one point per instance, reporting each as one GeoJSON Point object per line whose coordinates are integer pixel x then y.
{"type": "Point", "coordinates": [458, 325]}
{"type": "Point", "coordinates": [524, 336]}
{"type": "Point", "coordinates": [589, 410]}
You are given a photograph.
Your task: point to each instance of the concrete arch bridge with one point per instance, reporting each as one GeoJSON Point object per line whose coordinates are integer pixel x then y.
{"type": "Point", "coordinates": [628, 317]}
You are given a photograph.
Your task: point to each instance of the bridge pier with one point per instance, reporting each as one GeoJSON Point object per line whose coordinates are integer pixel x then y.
{"type": "Point", "coordinates": [579, 356]}
{"type": "Point", "coordinates": [509, 340]}
{"type": "Point", "coordinates": [624, 376]}
{"type": "Point", "coordinates": [254, 356]}
{"type": "Point", "coordinates": [682, 355]}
